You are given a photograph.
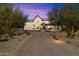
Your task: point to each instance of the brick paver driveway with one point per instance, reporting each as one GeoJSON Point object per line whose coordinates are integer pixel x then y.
{"type": "Point", "coordinates": [41, 44]}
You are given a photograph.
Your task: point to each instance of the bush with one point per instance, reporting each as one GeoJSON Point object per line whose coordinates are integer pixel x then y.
{"type": "Point", "coordinates": [55, 37]}
{"type": "Point", "coordinates": [27, 32]}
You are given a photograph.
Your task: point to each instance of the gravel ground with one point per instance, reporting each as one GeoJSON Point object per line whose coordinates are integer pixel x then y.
{"type": "Point", "coordinates": [38, 44]}
{"type": "Point", "coordinates": [9, 47]}
{"type": "Point", "coordinates": [41, 44]}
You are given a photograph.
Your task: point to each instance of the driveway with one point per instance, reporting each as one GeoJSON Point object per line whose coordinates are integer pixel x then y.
{"type": "Point", "coordinates": [41, 44]}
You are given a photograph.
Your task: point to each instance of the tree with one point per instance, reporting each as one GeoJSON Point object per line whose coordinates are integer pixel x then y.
{"type": "Point", "coordinates": [10, 19]}
{"type": "Point", "coordinates": [53, 16]}
{"type": "Point", "coordinates": [70, 19]}
{"type": "Point", "coordinates": [5, 18]}
{"type": "Point", "coordinates": [20, 19]}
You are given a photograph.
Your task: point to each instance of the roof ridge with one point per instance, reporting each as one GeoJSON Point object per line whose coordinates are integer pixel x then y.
{"type": "Point", "coordinates": [37, 16]}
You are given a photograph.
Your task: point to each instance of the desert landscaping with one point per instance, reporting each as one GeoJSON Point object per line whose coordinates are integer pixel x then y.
{"type": "Point", "coordinates": [40, 30]}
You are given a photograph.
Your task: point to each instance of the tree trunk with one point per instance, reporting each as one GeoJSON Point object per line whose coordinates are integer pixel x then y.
{"type": "Point", "coordinates": [77, 33]}
{"type": "Point", "coordinates": [72, 30]}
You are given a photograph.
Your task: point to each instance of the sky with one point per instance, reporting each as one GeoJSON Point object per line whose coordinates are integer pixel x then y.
{"type": "Point", "coordinates": [33, 9]}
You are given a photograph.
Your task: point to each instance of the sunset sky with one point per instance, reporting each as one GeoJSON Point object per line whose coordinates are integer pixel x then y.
{"type": "Point", "coordinates": [33, 9]}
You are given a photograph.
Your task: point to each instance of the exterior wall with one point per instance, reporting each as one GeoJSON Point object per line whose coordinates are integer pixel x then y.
{"type": "Point", "coordinates": [46, 22]}
{"type": "Point", "coordinates": [37, 22]}
{"type": "Point", "coordinates": [28, 26]}
{"type": "Point", "coordinates": [35, 25]}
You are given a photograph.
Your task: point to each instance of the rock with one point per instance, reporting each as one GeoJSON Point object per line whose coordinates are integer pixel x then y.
{"type": "Point", "coordinates": [4, 38]}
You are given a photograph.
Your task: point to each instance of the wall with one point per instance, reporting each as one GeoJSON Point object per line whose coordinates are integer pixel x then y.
{"type": "Point", "coordinates": [37, 22]}
{"type": "Point", "coordinates": [28, 26]}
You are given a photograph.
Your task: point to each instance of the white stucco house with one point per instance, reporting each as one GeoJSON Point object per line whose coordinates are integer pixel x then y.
{"type": "Point", "coordinates": [35, 24]}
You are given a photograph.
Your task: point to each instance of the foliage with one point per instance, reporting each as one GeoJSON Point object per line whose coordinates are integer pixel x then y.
{"type": "Point", "coordinates": [10, 19]}
{"type": "Point", "coordinates": [67, 17]}
{"type": "Point", "coordinates": [70, 19]}
{"type": "Point", "coordinates": [53, 16]}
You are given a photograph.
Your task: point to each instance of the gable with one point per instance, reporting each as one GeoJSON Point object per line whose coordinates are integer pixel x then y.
{"type": "Point", "coordinates": [37, 19]}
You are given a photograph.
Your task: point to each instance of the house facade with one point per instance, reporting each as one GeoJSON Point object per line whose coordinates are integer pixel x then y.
{"type": "Point", "coordinates": [36, 24]}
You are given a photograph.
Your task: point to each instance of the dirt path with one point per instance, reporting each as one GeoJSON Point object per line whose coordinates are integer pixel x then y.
{"type": "Point", "coordinates": [41, 44]}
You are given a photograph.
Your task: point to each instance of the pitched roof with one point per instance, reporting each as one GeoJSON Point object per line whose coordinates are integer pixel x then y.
{"type": "Point", "coordinates": [43, 19]}
{"type": "Point", "coordinates": [37, 16]}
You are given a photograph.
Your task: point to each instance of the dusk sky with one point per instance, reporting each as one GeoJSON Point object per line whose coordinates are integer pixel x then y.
{"type": "Point", "coordinates": [33, 9]}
